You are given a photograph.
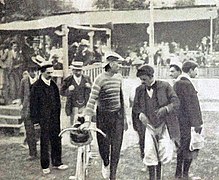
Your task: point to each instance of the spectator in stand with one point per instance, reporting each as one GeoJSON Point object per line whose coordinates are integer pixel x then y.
{"type": "Point", "coordinates": [97, 54]}
{"type": "Point", "coordinates": [24, 95]}
{"type": "Point", "coordinates": [56, 64]}
{"type": "Point", "coordinates": [190, 118]}
{"type": "Point", "coordinates": [84, 54]}
{"type": "Point", "coordinates": [5, 65]}
{"type": "Point", "coordinates": [27, 51]}
{"type": "Point", "coordinates": [72, 52]}
{"type": "Point", "coordinates": [38, 53]}
{"type": "Point", "coordinates": [13, 64]}
{"type": "Point", "coordinates": [158, 58]}
{"type": "Point", "coordinates": [45, 109]}
{"type": "Point", "coordinates": [77, 88]}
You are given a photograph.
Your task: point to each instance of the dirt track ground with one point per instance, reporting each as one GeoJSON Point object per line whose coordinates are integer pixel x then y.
{"type": "Point", "coordinates": [13, 165]}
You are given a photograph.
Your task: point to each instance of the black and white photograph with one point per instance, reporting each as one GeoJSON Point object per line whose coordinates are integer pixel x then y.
{"type": "Point", "coordinates": [109, 89]}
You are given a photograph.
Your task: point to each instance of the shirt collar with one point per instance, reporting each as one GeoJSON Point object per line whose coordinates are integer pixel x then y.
{"type": "Point", "coordinates": [47, 82]}
{"type": "Point", "coordinates": [32, 80]}
{"type": "Point", "coordinates": [152, 82]}
{"type": "Point", "coordinates": [184, 75]}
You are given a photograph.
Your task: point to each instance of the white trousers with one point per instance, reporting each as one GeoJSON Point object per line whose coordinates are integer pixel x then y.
{"type": "Point", "coordinates": [158, 146]}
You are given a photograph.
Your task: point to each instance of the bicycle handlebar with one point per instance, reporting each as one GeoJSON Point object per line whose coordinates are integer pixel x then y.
{"type": "Point", "coordinates": [75, 129]}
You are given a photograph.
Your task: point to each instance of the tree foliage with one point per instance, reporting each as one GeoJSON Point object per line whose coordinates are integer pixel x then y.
{"type": "Point", "coordinates": [14, 10]}
{"type": "Point", "coordinates": [121, 4]}
{"type": "Point", "coordinates": [185, 2]}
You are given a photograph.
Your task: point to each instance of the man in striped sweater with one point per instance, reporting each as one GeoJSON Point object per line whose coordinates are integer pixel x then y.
{"type": "Point", "coordinates": [107, 94]}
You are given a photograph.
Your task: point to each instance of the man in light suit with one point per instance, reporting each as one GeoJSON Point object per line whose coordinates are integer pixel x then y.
{"type": "Point", "coordinates": [189, 116]}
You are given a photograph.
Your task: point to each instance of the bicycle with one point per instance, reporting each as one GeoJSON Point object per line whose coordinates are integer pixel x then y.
{"type": "Point", "coordinates": [82, 138]}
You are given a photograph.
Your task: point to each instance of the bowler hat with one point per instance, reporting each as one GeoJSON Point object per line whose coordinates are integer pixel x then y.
{"type": "Point", "coordinates": [145, 70]}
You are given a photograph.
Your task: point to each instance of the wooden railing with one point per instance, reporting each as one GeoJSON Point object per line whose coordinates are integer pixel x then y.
{"type": "Point", "coordinates": [161, 72]}
{"type": "Point", "coordinates": [93, 70]}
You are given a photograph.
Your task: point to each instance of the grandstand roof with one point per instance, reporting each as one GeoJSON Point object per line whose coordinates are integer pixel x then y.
{"type": "Point", "coordinates": [75, 20]}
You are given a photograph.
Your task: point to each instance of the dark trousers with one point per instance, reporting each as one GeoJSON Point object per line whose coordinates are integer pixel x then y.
{"type": "Point", "coordinates": [141, 134]}
{"type": "Point", "coordinates": [30, 136]}
{"type": "Point", "coordinates": [112, 124]}
{"type": "Point", "coordinates": [140, 128]}
{"type": "Point", "coordinates": [49, 139]}
{"type": "Point", "coordinates": [155, 172]}
{"type": "Point", "coordinates": [182, 166]}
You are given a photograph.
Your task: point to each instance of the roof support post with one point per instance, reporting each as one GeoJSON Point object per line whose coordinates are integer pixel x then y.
{"type": "Point", "coordinates": [91, 39]}
{"type": "Point", "coordinates": [65, 31]}
{"type": "Point", "coordinates": [108, 41]}
{"type": "Point", "coordinates": [151, 34]}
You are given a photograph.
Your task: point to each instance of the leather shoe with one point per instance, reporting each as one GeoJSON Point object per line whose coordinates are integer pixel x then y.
{"type": "Point", "coordinates": [61, 167]}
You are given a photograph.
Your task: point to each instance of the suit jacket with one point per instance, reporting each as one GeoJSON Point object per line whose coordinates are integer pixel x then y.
{"type": "Point", "coordinates": [41, 110]}
{"type": "Point", "coordinates": [84, 56]}
{"type": "Point", "coordinates": [79, 96]}
{"type": "Point", "coordinates": [189, 110]}
{"type": "Point", "coordinates": [25, 97]}
{"type": "Point", "coordinates": [166, 97]}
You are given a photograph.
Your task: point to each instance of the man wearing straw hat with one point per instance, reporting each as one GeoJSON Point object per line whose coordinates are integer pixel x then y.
{"type": "Point", "coordinates": [76, 88]}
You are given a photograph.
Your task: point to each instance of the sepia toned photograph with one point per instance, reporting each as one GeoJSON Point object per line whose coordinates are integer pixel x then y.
{"type": "Point", "coordinates": [109, 89]}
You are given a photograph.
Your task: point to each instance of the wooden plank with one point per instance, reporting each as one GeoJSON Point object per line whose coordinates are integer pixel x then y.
{"type": "Point", "coordinates": [9, 117]}
{"type": "Point", "coordinates": [11, 125]}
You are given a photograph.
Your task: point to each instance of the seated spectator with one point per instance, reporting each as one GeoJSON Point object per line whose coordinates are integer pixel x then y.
{"type": "Point", "coordinates": [56, 64]}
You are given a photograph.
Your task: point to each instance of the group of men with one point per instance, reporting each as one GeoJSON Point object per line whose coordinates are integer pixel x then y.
{"type": "Point", "coordinates": [162, 115]}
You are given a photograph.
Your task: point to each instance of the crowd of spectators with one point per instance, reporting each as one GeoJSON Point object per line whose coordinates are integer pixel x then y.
{"type": "Point", "coordinates": [17, 53]}
{"type": "Point", "coordinates": [163, 52]}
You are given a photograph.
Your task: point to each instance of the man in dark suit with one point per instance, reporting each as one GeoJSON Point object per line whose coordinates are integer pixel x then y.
{"type": "Point", "coordinates": [84, 54]}
{"type": "Point", "coordinates": [77, 88]}
{"type": "Point", "coordinates": [45, 109]}
{"type": "Point", "coordinates": [155, 106]}
{"type": "Point", "coordinates": [189, 117]}
{"type": "Point", "coordinates": [24, 96]}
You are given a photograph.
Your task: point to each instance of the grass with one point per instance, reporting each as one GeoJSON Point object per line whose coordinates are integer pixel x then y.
{"type": "Point", "coordinates": [13, 165]}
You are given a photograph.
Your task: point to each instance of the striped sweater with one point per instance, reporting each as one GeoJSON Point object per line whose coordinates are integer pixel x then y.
{"type": "Point", "coordinates": [105, 93]}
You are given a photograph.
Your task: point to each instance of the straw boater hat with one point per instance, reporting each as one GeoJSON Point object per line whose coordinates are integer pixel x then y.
{"type": "Point", "coordinates": [76, 65]}
{"type": "Point", "coordinates": [84, 42]}
{"type": "Point", "coordinates": [45, 65]}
